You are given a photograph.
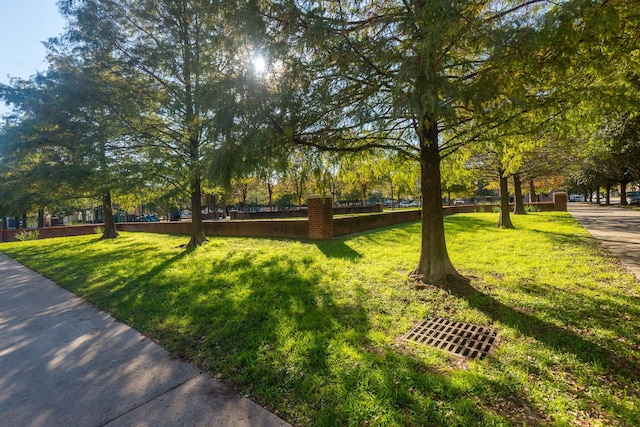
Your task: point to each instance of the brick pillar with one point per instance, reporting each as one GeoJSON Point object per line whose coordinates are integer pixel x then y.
{"type": "Point", "coordinates": [320, 210]}
{"type": "Point", "coordinates": [560, 201]}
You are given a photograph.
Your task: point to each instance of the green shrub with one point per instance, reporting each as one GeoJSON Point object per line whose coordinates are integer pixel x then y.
{"type": "Point", "coordinates": [28, 235]}
{"type": "Point", "coordinates": [532, 208]}
{"type": "Point", "coordinates": [495, 209]}
{"type": "Point", "coordinates": [98, 230]}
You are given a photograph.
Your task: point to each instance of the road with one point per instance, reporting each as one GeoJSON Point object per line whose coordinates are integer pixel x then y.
{"type": "Point", "coordinates": [617, 229]}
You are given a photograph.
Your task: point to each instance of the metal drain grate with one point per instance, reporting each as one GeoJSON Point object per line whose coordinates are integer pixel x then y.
{"type": "Point", "coordinates": [460, 339]}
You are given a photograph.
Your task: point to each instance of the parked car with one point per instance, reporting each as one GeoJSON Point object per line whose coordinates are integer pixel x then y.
{"type": "Point", "coordinates": [576, 198]}
{"type": "Point", "coordinates": [633, 197]}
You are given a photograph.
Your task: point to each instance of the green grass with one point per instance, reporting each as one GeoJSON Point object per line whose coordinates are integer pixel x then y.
{"type": "Point", "coordinates": [310, 329]}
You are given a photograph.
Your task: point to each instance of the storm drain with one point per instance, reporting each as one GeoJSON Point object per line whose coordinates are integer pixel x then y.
{"type": "Point", "coordinates": [458, 338]}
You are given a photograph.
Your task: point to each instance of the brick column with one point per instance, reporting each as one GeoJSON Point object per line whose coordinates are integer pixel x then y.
{"type": "Point", "coordinates": [560, 201]}
{"type": "Point", "coordinates": [320, 210]}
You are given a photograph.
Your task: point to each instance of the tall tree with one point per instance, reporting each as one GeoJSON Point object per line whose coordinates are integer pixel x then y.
{"type": "Point", "coordinates": [69, 129]}
{"type": "Point", "coordinates": [396, 174]}
{"type": "Point", "coordinates": [359, 172]}
{"type": "Point", "coordinates": [393, 75]}
{"type": "Point", "coordinates": [188, 53]}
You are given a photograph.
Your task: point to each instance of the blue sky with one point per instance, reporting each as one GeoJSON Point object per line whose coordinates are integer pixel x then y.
{"type": "Point", "coordinates": [24, 24]}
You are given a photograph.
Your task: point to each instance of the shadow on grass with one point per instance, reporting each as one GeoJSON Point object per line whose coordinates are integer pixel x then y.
{"type": "Point", "coordinates": [551, 335]}
{"type": "Point", "coordinates": [338, 249]}
{"type": "Point", "coordinates": [271, 328]}
{"type": "Point", "coordinates": [468, 223]}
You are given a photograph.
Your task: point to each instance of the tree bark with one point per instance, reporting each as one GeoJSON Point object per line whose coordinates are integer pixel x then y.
{"type": "Point", "coordinates": [110, 231]}
{"type": "Point", "coordinates": [607, 195]}
{"type": "Point", "coordinates": [532, 191]}
{"type": "Point", "coordinates": [598, 195]}
{"type": "Point", "coordinates": [519, 206]}
{"type": "Point", "coordinates": [623, 193]}
{"type": "Point", "coordinates": [245, 190]}
{"type": "Point", "coordinates": [197, 228]}
{"type": "Point", "coordinates": [24, 220]}
{"type": "Point", "coordinates": [392, 196]}
{"type": "Point", "coordinates": [434, 266]}
{"type": "Point", "coordinates": [40, 218]}
{"type": "Point", "coordinates": [505, 219]}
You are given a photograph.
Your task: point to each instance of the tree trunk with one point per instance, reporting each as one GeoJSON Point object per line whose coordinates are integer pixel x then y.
{"type": "Point", "coordinates": [245, 190]}
{"type": "Point", "coordinates": [607, 196]}
{"type": "Point", "coordinates": [364, 195]}
{"type": "Point", "coordinates": [505, 218]}
{"type": "Point", "coordinates": [299, 190]}
{"type": "Point", "coordinates": [24, 220]}
{"type": "Point", "coordinates": [598, 195]}
{"type": "Point", "coordinates": [532, 191]}
{"type": "Point", "coordinates": [197, 228]}
{"type": "Point", "coordinates": [270, 190]}
{"type": "Point", "coordinates": [40, 218]}
{"type": "Point", "coordinates": [623, 193]}
{"type": "Point", "coordinates": [110, 231]}
{"type": "Point", "coordinates": [434, 266]}
{"type": "Point", "coordinates": [517, 185]}
{"type": "Point", "coordinates": [392, 196]}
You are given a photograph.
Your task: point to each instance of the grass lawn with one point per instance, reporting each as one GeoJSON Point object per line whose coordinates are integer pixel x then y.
{"type": "Point", "coordinates": [310, 330]}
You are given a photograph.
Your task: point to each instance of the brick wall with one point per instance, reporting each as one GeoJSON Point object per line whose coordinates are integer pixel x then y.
{"type": "Point", "coordinates": [320, 210]}
{"type": "Point", "coordinates": [172, 227]}
{"type": "Point", "coordinates": [449, 210]}
{"type": "Point", "coordinates": [49, 232]}
{"type": "Point", "coordinates": [297, 213]}
{"type": "Point", "coordinates": [357, 224]}
{"type": "Point", "coordinates": [269, 215]}
{"type": "Point", "coordinates": [560, 201]}
{"type": "Point", "coordinates": [342, 210]}
{"type": "Point", "coordinates": [293, 229]}
{"type": "Point", "coordinates": [320, 225]}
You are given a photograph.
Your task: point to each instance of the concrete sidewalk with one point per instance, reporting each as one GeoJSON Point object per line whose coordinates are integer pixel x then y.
{"type": "Point", "coordinates": [64, 363]}
{"type": "Point", "coordinates": [617, 229]}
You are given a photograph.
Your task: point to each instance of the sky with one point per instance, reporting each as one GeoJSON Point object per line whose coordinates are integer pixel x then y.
{"type": "Point", "coordinates": [24, 24]}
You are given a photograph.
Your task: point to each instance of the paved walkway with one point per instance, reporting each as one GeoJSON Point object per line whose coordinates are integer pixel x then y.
{"type": "Point", "coordinates": [617, 229]}
{"type": "Point", "coordinates": [64, 363]}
